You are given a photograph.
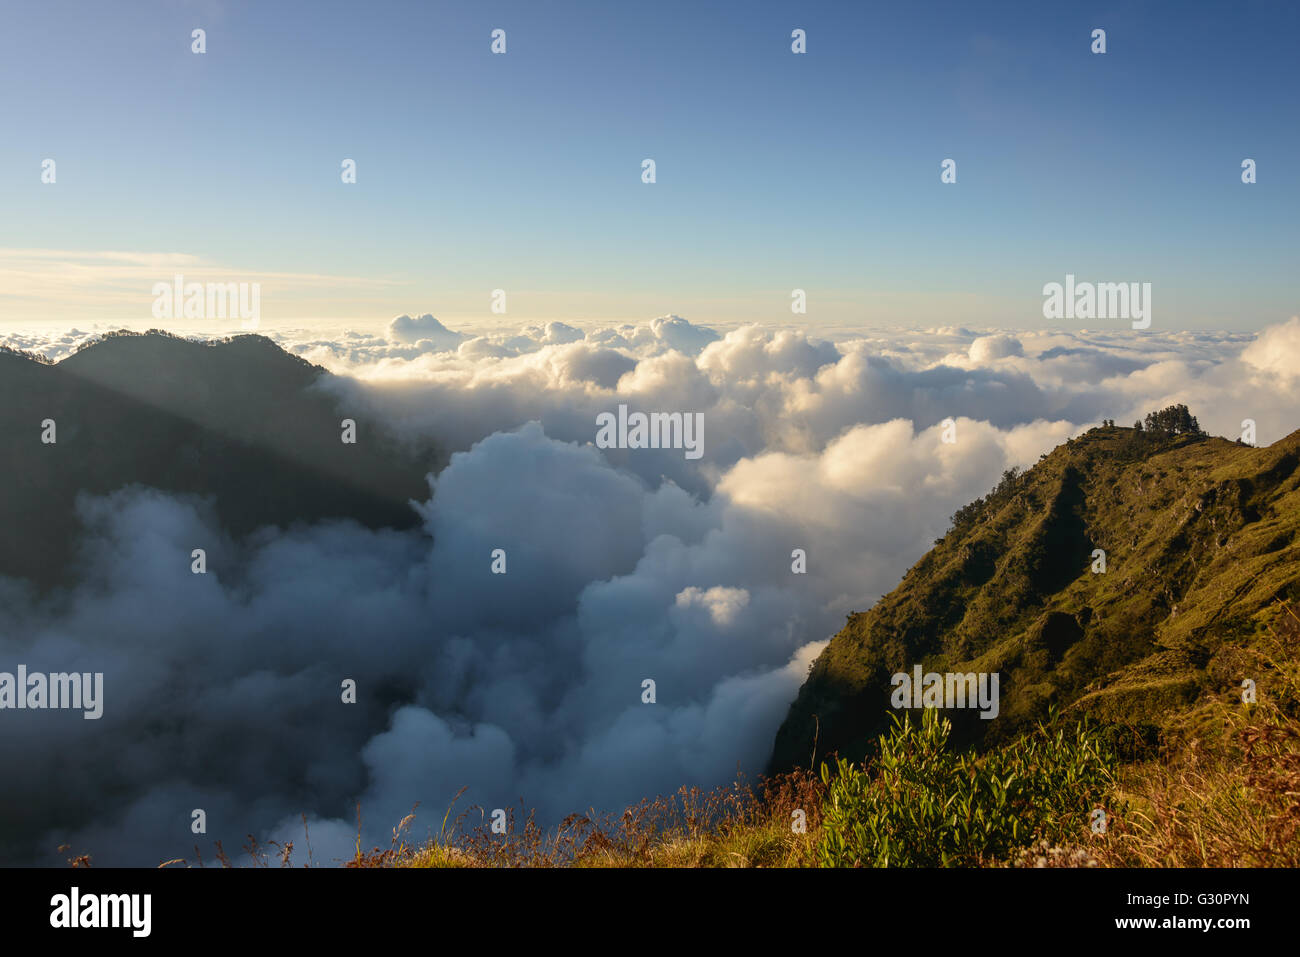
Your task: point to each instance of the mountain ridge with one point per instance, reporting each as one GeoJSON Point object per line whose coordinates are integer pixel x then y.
{"type": "Point", "coordinates": [1200, 539]}
{"type": "Point", "coordinates": [238, 420]}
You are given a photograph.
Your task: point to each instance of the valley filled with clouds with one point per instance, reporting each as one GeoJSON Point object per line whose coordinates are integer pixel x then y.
{"type": "Point", "coordinates": [623, 565]}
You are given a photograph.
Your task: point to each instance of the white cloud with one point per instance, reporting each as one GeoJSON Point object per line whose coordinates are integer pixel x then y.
{"type": "Point", "coordinates": [426, 332]}
{"type": "Point", "coordinates": [1276, 353]}
{"type": "Point", "coordinates": [988, 348]}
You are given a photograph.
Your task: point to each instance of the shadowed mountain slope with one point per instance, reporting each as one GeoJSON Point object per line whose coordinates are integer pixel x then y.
{"type": "Point", "coordinates": [238, 420]}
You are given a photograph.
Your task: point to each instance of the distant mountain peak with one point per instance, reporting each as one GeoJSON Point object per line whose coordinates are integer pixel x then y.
{"type": "Point", "coordinates": [233, 419]}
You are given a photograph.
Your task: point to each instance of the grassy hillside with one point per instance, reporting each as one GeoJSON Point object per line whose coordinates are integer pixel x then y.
{"type": "Point", "coordinates": [1200, 536]}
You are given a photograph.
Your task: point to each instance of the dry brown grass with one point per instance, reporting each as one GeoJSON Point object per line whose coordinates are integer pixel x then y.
{"type": "Point", "coordinates": [1215, 808]}
{"type": "Point", "coordinates": [1232, 801]}
{"type": "Point", "coordinates": [733, 826]}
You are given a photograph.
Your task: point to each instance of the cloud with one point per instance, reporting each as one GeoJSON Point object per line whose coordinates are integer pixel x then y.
{"type": "Point", "coordinates": [988, 348]}
{"type": "Point", "coordinates": [425, 331]}
{"type": "Point", "coordinates": [222, 691]}
{"type": "Point", "coordinates": [1276, 353]}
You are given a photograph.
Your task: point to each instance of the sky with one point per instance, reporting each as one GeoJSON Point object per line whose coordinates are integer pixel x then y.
{"type": "Point", "coordinates": [522, 171]}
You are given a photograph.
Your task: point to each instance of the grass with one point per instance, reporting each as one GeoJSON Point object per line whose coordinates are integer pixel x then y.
{"type": "Point", "coordinates": [734, 826]}
{"type": "Point", "coordinates": [1208, 807]}
{"type": "Point", "coordinates": [1226, 792]}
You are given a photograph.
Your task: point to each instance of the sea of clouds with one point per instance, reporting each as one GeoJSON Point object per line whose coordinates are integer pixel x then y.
{"type": "Point", "coordinates": [222, 691]}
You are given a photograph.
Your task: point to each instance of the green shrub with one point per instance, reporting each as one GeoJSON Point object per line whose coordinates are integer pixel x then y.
{"type": "Point", "coordinates": [926, 806]}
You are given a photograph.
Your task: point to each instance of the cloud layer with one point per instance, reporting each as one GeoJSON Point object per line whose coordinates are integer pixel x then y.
{"type": "Point", "coordinates": [222, 691]}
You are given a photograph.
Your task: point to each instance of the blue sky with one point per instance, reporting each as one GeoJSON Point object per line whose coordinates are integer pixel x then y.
{"type": "Point", "coordinates": [775, 171]}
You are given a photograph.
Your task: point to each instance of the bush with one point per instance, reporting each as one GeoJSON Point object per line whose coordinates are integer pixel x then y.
{"type": "Point", "coordinates": [926, 806]}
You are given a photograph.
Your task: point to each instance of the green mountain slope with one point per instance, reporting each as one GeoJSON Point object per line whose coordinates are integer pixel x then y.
{"type": "Point", "coordinates": [1200, 536]}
